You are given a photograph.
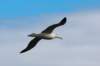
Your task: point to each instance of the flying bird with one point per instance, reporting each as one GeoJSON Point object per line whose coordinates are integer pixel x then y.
{"type": "Point", "coordinates": [45, 34]}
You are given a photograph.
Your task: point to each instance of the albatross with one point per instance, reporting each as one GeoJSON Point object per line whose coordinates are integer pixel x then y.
{"type": "Point", "coordinates": [45, 34]}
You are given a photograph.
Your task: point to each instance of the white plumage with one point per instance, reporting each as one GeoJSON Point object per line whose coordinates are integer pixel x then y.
{"type": "Point", "coordinates": [46, 34]}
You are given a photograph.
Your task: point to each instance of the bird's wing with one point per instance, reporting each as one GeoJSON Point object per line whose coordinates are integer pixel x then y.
{"type": "Point", "coordinates": [52, 27]}
{"type": "Point", "coordinates": [32, 44]}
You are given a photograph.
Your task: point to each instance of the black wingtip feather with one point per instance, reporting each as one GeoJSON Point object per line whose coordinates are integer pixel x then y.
{"type": "Point", "coordinates": [63, 21]}
{"type": "Point", "coordinates": [27, 49]}
{"type": "Point", "coordinates": [31, 45]}
{"type": "Point", "coordinates": [23, 51]}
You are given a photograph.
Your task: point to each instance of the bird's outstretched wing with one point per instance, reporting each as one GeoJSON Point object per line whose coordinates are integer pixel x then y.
{"type": "Point", "coordinates": [32, 44]}
{"type": "Point", "coordinates": [52, 27]}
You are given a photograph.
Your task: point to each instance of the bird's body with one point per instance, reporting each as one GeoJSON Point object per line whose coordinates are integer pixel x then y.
{"type": "Point", "coordinates": [46, 34]}
{"type": "Point", "coordinates": [43, 35]}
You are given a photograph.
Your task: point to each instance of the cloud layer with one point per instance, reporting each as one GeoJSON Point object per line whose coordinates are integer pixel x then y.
{"type": "Point", "coordinates": [79, 47]}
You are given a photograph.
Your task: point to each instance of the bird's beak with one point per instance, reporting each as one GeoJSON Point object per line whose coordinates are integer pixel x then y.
{"type": "Point", "coordinates": [30, 35]}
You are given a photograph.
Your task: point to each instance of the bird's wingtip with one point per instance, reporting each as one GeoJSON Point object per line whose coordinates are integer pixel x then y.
{"type": "Point", "coordinates": [65, 18]}
{"type": "Point", "coordinates": [63, 21]}
{"type": "Point", "coordinates": [22, 51]}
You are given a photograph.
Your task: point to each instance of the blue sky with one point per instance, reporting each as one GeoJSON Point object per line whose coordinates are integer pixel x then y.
{"type": "Point", "coordinates": [20, 8]}
{"type": "Point", "coordinates": [81, 34]}
{"type": "Point", "coordinates": [80, 45]}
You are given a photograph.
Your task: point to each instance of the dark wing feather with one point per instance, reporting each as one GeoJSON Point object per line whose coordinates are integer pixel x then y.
{"type": "Point", "coordinates": [32, 44]}
{"type": "Point", "coordinates": [52, 27]}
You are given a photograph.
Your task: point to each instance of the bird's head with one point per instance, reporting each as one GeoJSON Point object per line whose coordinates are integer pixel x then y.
{"type": "Point", "coordinates": [32, 35]}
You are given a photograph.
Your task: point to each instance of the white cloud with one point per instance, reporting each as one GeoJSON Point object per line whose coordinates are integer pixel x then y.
{"type": "Point", "coordinates": [80, 46]}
